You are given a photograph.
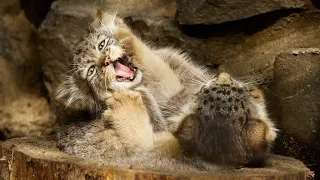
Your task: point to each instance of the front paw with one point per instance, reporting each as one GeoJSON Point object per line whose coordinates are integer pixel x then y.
{"type": "Point", "coordinates": [122, 104]}
{"type": "Point", "coordinates": [129, 117]}
{"type": "Point", "coordinates": [130, 43]}
{"type": "Point", "coordinates": [124, 98]}
{"type": "Point", "coordinates": [256, 94]}
{"type": "Point", "coordinates": [122, 33]}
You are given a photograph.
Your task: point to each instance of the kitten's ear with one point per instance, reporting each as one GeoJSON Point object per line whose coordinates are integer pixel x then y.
{"type": "Point", "coordinates": [99, 14]}
{"type": "Point", "coordinates": [75, 92]}
{"type": "Point", "coordinates": [97, 19]}
{"type": "Point", "coordinates": [107, 20]}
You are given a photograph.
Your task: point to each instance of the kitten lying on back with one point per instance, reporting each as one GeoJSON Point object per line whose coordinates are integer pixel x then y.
{"type": "Point", "coordinates": [108, 82]}
{"type": "Point", "coordinates": [175, 85]}
{"type": "Point", "coordinates": [124, 135]}
{"type": "Point", "coordinates": [131, 128]}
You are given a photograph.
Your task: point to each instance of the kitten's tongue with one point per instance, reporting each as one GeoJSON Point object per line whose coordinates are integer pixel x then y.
{"type": "Point", "coordinates": [122, 70]}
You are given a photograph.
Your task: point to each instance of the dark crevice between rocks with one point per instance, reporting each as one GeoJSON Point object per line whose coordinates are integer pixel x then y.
{"type": "Point", "coordinates": [213, 68]}
{"type": "Point", "coordinates": [5, 45]}
{"type": "Point", "coordinates": [36, 10]}
{"type": "Point", "coordinates": [316, 166]}
{"type": "Point", "coordinates": [316, 3]}
{"type": "Point", "coordinates": [43, 90]}
{"type": "Point", "coordinates": [4, 134]}
{"type": "Point", "coordinates": [247, 26]}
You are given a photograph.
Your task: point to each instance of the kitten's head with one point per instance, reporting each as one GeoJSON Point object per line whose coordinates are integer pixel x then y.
{"type": "Point", "coordinates": [100, 64]}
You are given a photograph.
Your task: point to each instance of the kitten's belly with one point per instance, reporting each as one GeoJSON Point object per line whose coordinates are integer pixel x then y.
{"type": "Point", "coordinates": [163, 92]}
{"type": "Point", "coordinates": [177, 107]}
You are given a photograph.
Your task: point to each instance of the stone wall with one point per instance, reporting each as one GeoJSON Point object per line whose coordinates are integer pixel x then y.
{"type": "Point", "coordinates": [254, 40]}
{"type": "Point", "coordinates": [24, 105]}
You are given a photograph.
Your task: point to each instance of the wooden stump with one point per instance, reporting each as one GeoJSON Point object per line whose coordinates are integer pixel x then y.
{"type": "Point", "coordinates": [38, 159]}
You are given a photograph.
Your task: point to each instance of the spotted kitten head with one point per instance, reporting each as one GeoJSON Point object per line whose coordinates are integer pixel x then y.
{"type": "Point", "coordinates": [100, 64]}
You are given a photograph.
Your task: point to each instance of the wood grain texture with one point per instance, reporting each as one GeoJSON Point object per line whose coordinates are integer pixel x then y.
{"type": "Point", "coordinates": [38, 159]}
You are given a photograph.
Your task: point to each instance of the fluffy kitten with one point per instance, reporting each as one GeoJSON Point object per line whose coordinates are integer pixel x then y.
{"type": "Point", "coordinates": [228, 123]}
{"type": "Point", "coordinates": [175, 84]}
{"type": "Point", "coordinates": [174, 97]}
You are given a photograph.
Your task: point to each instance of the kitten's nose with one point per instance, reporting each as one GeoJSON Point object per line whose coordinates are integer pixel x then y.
{"type": "Point", "coordinates": [224, 78]}
{"type": "Point", "coordinates": [107, 61]}
{"type": "Point", "coordinates": [114, 52]}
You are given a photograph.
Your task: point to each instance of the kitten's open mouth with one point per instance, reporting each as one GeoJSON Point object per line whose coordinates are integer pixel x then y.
{"type": "Point", "coordinates": [124, 70]}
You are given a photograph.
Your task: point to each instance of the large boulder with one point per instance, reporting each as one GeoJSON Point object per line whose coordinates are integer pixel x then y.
{"type": "Point", "coordinates": [9, 7]}
{"type": "Point", "coordinates": [24, 107]}
{"type": "Point", "coordinates": [297, 87]}
{"type": "Point", "coordinates": [244, 48]}
{"type": "Point", "coordinates": [220, 11]}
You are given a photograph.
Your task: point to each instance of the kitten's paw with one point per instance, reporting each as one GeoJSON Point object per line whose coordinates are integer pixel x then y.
{"type": "Point", "coordinates": [256, 94]}
{"type": "Point", "coordinates": [121, 98]}
{"type": "Point", "coordinates": [124, 105]}
{"type": "Point", "coordinates": [255, 135]}
{"type": "Point", "coordinates": [122, 32]}
{"type": "Point", "coordinates": [131, 44]}
{"type": "Point", "coordinates": [129, 117]}
{"type": "Point", "coordinates": [126, 39]}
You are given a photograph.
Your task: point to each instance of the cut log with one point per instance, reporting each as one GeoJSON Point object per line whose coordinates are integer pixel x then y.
{"type": "Point", "coordinates": [38, 159]}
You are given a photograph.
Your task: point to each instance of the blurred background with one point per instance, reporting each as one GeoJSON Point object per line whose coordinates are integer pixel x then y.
{"type": "Point", "coordinates": [276, 43]}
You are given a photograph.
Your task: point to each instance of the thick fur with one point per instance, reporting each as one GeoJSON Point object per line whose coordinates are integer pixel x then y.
{"type": "Point", "coordinates": [173, 91]}
{"type": "Point", "coordinates": [225, 119]}
{"type": "Point", "coordinates": [234, 130]}
{"type": "Point", "coordinates": [124, 135]}
{"type": "Point", "coordinates": [116, 134]}
{"type": "Point", "coordinates": [244, 132]}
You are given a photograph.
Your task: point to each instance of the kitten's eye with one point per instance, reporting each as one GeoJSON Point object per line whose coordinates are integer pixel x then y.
{"type": "Point", "coordinates": [105, 42]}
{"type": "Point", "coordinates": [102, 45]}
{"type": "Point", "coordinates": [91, 71]}
{"type": "Point", "coordinates": [110, 41]}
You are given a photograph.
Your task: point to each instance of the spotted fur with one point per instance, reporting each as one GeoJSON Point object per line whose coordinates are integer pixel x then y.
{"type": "Point", "coordinates": [224, 125]}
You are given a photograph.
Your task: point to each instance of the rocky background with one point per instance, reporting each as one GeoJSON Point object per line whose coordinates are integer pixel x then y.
{"type": "Point", "coordinates": [274, 43]}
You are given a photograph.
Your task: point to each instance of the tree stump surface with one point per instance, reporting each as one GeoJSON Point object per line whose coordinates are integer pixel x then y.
{"type": "Point", "coordinates": [38, 159]}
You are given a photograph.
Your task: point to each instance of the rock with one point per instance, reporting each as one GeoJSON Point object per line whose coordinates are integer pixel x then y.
{"type": "Point", "coordinates": [220, 11]}
{"type": "Point", "coordinates": [315, 3]}
{"type": "Point", "coordinates": [11, 7]}
{"type": "Point", "coordinates": [297, 88]}
{"type": "Point", "coordinates": [24, 107]}
{"type": "Point", "coordinates": [37, 158]}
{"type": "Point", "coordinates": [36, 10]}
{"type": "Point", "coordinates": [243, 49]}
